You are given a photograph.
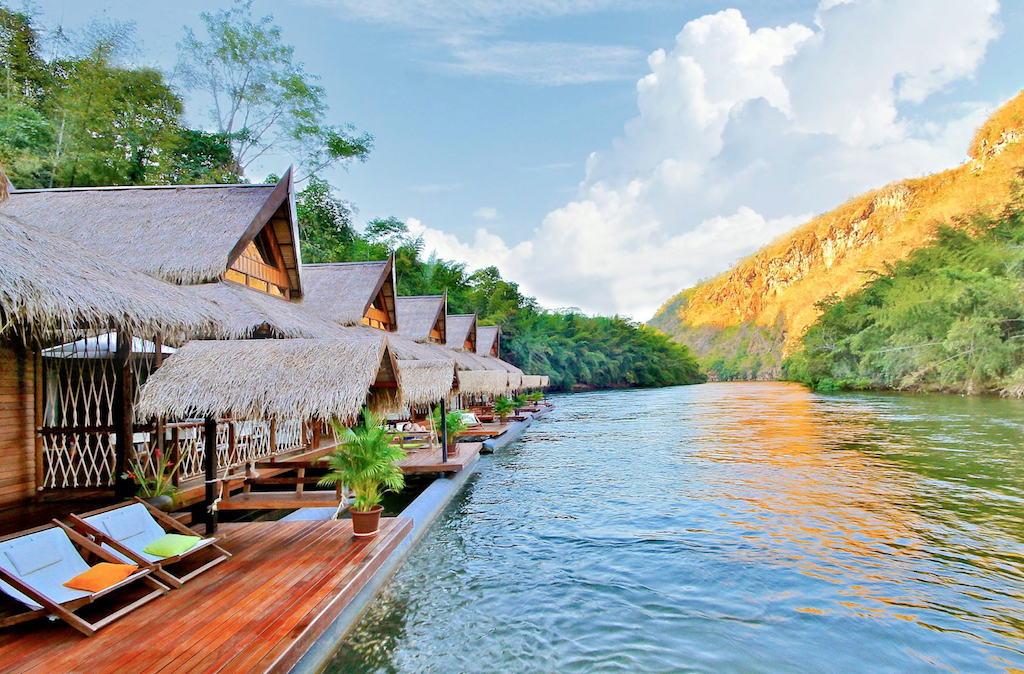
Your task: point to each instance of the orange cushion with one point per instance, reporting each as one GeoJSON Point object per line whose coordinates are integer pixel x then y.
{"type": "Point", "coordinates": [101, 576]}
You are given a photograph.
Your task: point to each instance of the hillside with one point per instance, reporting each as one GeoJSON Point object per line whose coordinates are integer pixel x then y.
{"type": "Point", "coordinates": [742, 323]}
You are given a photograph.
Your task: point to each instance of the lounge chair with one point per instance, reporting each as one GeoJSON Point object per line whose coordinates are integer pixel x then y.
{"type": "Point", "coordinates": [127, 528]}
{"type": "Point", "coordinates": [35, 564]}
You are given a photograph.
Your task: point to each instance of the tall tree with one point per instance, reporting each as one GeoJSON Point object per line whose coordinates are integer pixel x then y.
{"type": "Point", "coordinates": [262, 100]}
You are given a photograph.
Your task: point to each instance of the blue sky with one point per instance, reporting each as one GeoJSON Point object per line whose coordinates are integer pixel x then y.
{"type": "Point", "coordinates": [554, 139]}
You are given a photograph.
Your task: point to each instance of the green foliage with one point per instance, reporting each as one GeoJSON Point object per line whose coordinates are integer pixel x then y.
{"type": "Point", "coordinates": [503, 406]}
{"type": "Point", "coordinates": [454, 423]}
{"type": "Point", "coordinates": [366, 461]}
{"type": "Point", "coordinates": [326, 220]}
{"type": "Point", "coordinates": [949, 317]}
{"type": "Point", "coordinates": [263, 101]}
{"type": "Point", "coordinates": [84, 119]}
{"type": "Point", "coordinates": [535, 397]}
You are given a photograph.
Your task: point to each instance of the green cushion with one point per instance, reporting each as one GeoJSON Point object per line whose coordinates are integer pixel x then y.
{"type": "Point", "coordinates": [170, 545]}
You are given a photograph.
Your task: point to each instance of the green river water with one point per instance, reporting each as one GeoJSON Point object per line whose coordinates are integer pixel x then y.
{"type": "Point", "coordinates": [724, 528]}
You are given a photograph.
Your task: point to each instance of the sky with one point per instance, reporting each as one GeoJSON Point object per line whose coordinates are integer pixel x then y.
{"type": "Point", "coordinates": [606, 155]}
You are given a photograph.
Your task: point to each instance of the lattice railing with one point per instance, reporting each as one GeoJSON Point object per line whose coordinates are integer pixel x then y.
{"type": "Point", "coordinates": [77, 404]}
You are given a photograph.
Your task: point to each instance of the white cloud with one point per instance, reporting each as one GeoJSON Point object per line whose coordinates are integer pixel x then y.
{"type": "Point", "coordinates": [740, 135]}
{"type": "Point", "coordinates": [486, 213]}
{"type": "Point", "coordinates": [445, 14]}
{"type": "Point", "coordinates": [469, 33]}
{"type": "Point", "coordinates": [546, 63]}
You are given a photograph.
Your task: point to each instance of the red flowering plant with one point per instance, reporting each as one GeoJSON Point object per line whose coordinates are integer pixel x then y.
{"type": "Point", "coordinates": [156, 482]}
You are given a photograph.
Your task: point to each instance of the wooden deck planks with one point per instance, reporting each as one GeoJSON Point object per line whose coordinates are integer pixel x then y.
{"type": "Point", "coordinates": [257, 612]}
{"type": "Point", "coordinates": [429, 460]}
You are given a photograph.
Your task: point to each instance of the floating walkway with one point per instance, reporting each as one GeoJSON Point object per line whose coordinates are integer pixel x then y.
{"type": "Point", "coordinates": [260, 611]}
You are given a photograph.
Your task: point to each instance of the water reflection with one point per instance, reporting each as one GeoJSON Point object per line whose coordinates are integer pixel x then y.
{"type": "Point", "coordinates": [724, 528]}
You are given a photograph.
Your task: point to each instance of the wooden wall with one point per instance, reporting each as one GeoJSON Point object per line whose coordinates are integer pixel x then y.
{"type": "Point", "coordinates": [17, 424]}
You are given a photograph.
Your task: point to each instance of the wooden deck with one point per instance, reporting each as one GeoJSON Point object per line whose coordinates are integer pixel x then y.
{"type": "Point", "coordinates": [485, 430]}
{"type": "Point", "coordinates": [257, 612]}
{"type": "Point", "coordinates": [428, 460]}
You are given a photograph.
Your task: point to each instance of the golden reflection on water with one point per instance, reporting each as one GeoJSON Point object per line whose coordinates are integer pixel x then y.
{"type": "Point", "coordinates": [833, 512]}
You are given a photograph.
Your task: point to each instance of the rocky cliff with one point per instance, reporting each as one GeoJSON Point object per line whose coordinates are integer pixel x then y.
{"type": "Point", "coordinates": [741, 323]}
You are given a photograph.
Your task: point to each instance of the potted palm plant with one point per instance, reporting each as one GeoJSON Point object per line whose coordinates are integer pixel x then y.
{"type": "Point", "coordinates": [454, 423]}
{"type": "Point", "coordinates": [365, 460]}
{"type": "Point", "coordinates": [519, 402]}
{"type": "Point", "coordinates": [503, 407]}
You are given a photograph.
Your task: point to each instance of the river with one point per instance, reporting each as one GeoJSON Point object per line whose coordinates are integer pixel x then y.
{"type": "Point", "coordinates": [724, 528]}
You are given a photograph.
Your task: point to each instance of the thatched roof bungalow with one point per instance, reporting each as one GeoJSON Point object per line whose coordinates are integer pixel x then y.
{"type": "Point", "coordinates": [183, 234]}
{"type": "Point", "coordinates": [488, 340]}
{"type": "Point", "coordinates": [284, 379]}
{"type": "Point", "coordinates": [423, 318]}
{"type": "Point", "coordinates": [353, 293]}
{"type": "Point", "coordinates": [50, 287]}
{"type": "Point", "coordinates": [461, 332]}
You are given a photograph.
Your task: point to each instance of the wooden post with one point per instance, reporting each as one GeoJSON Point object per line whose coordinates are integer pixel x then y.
{"type": "Point", "coordinates": [444, 433]}
{"type": "Point", "coordinates": [210, 428]}
{"type": "Point", "coordinates": [176, 454]}
{"type": "Point", "coordinates": [123, 413]}
{"type": "Point", "coordinates": [40, 411]}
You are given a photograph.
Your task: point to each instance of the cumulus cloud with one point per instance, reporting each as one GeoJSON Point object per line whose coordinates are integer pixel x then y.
{"type": "Point", "coordinates": [740, 135]}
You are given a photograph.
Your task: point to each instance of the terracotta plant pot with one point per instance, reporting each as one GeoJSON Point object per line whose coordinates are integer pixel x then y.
{"type": "Point", "coordinates": [367, 523]}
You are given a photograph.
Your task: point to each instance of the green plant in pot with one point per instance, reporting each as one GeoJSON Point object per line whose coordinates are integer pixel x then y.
{"type": "Point", "coordinates": [503, 407]}
{"type": "Point", "coordinates": [519, 402]}
{"type": "Point", "coordinates": [366, 461]}
{"type": "Point", "coordinates": [159, 489]}
{"type": "Point", "coordinates": [535, 397]}
{"type": "Point", "coordinates": [454, 423]}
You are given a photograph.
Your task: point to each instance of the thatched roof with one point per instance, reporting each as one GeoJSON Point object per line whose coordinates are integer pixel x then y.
{"type": "Point", "coordinates": [247, 312]}
{"type": "Point", "coordinates": [51, 283]}
{"type": "Point", "coordinates": [532, 381]}
{"type": "Point", "coordinates": [343, 291]}
{"type": "Point", "coordinates": [418, 315]}
{"type": "Point", "coordinates": [424, 382]}
{"type": "Point", "coordinates": [184, 234]}
{"type": "Point", "coordinates": [487, 339]}
{"type": "Point", "coordinates": [426, 372]}
{"type": "Point", "coordinates": [266, 379]}
{"type": "Point", "coordinates": [461, 328]}
{"type": "Point", "coordinates": [478, 375]}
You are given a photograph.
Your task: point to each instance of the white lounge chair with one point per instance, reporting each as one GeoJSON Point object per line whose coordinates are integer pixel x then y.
{"type": "Point", "coordinates": [127, 528]}
{"type": "Point", "coordinates": [35, 564]}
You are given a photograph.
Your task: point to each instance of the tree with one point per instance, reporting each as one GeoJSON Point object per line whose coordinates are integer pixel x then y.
{"type": "Point", "coordinates": [325, 223]}
{"type": "Point", "coordinates": [263, 101]}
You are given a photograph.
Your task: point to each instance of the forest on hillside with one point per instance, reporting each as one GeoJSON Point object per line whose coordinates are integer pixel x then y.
{"type": "Point", "coordinates": [949, 318]}
{"type": "Point", "coordinates": [77, 110]}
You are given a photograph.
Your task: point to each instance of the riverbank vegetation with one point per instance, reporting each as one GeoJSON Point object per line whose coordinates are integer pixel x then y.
{"type": "Point", "coordinates": [950, 317]}
{"type": "Point", "coordinates": [77, 110]}
{"type": "Point", "coordinates": [575, 350]}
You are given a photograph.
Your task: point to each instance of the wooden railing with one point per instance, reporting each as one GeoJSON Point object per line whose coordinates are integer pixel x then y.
{"type": "Point", "coordinates": [238, 442]}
